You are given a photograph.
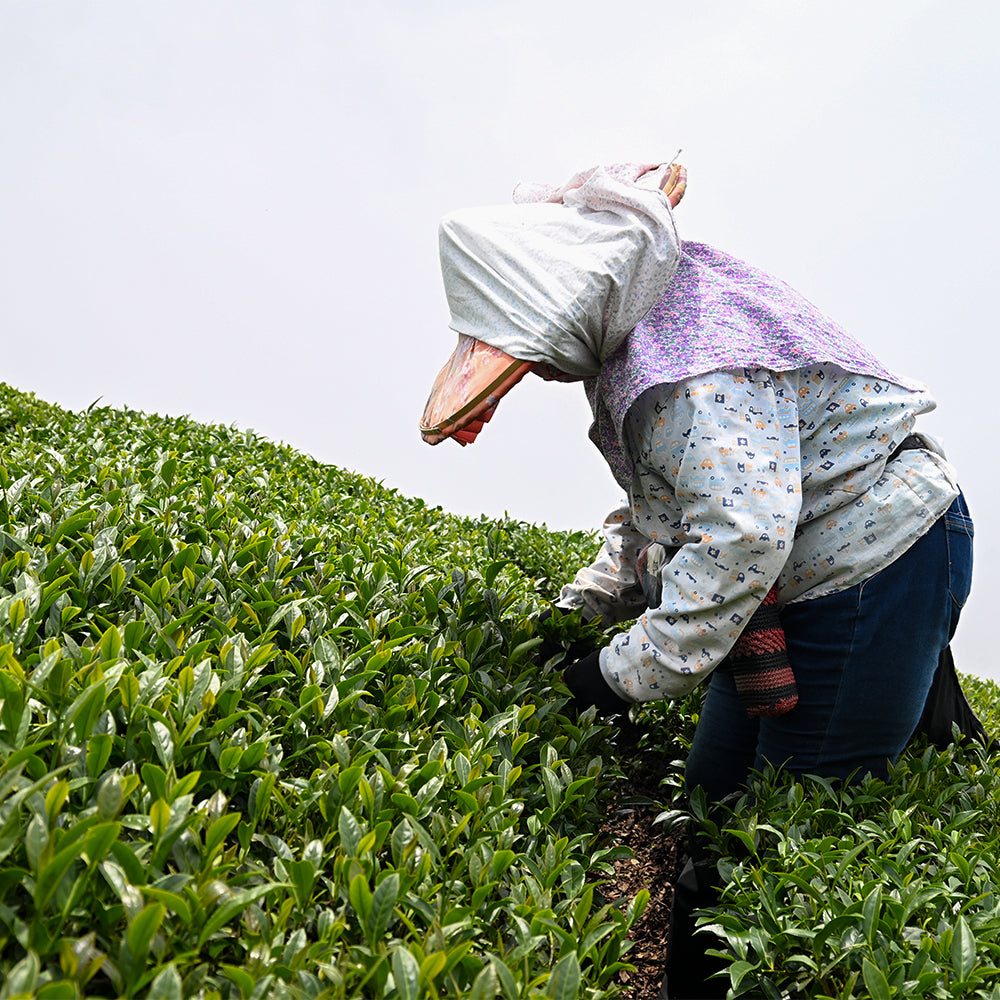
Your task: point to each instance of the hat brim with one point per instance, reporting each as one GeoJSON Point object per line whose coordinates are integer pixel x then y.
{"type": "Point", "coordinates": [467, 390]}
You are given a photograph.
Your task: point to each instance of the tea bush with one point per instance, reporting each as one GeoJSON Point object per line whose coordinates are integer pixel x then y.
{"type": "Point", "coordinates": [269, 729]}
{"type": "Point", "coordinates": [880, 889]}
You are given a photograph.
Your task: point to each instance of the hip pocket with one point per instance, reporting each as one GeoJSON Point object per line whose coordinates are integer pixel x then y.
{"type": "Point", "coordinates": [959, 533]}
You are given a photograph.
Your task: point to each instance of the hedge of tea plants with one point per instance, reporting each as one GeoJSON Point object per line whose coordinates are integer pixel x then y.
{"type": "Point", "coordinates": [879, 889]}
{"type": "Point", "coordinates": [269, 729]}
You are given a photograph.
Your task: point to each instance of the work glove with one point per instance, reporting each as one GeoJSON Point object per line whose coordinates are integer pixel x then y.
{"type": "Point", "coordinates": [759, 663]}
{"type": "Point", "coordinates": [589, 688]}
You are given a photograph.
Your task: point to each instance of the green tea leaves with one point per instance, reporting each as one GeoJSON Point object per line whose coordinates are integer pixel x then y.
{"type": "Point", "coordinates": [268, 728]}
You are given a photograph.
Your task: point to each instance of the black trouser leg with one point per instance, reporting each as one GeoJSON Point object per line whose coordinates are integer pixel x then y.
{"type": "Point", "coordinates": [688, 967]}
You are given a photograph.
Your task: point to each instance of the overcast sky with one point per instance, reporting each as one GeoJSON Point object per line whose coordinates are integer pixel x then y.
{"type": "Point", "coordinates": [229, 209]}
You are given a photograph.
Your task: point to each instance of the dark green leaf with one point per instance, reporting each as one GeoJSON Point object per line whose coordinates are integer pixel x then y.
{"type": "Point", "coordinates": [878, 985]}
{"type": "Point", "coordinates": [167, 985]}
{"type": "Point", "coordinates": [144, 927]}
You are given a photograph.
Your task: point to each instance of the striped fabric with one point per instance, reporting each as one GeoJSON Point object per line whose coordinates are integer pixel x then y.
{"type": "Point", "coordinates": [759, 663]}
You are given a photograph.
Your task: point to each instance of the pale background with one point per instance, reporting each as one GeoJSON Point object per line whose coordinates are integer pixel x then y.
{"type": "Point", "coordinates": [229, 209]}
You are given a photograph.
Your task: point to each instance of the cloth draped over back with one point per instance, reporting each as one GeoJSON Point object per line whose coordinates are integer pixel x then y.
{"type": "Point", "coordinates": [717, 313]}
{"type": "Point", "coordinates": [591, 279]}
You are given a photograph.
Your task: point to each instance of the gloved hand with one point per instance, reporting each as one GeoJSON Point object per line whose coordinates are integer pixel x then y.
{"type": "Point", "coordinates": [564, 631]}
{"type": "Point", "coordinates": [589, 688]}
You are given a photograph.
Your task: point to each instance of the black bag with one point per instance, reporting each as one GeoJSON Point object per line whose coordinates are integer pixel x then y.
{"type": "Point", "coordinates": [947, 706]}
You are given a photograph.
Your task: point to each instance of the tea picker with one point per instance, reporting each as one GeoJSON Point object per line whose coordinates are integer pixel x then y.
{"type": "Point", "coordinates": [790, 537]}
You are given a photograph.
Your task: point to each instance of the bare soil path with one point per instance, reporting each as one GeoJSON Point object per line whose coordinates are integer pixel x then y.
{"type": "Point", "coordinates": [656, 864]}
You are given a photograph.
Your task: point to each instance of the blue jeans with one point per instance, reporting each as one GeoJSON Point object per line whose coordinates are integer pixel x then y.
{"type": "Point", "coordinates": [863, 660]}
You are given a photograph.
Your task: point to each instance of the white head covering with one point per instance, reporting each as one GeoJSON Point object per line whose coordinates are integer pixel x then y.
{"type": "Point", "coordinates": [564, 274]}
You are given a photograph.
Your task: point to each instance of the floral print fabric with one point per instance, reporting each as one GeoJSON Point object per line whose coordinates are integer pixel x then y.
{"type": "Point", "coordinates": [718, 312]}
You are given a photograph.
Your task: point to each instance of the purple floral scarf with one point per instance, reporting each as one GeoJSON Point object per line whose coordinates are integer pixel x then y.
{"type": "Point", "coordinates": [717, 313]}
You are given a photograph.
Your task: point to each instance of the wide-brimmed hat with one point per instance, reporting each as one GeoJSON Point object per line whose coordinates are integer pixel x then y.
{"type": "Point", "coordinates": [560, 277]}
{"type": "Point", "coordinates": [467, 390]}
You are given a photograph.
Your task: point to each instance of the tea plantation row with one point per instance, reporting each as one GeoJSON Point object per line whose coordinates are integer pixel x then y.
{"type": "Point", "coordinates": [268, 729]}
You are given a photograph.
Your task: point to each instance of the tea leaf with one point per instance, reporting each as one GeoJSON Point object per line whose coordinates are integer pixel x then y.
{"type": "Point", "coordinates": [564, 983]}
{"type": "Point", "coordinates": [406, 973]}
{"type": "Point", "coordinates": [144, 927]}
{"type": "Point", "coordinates": [167, 985]}
{"type": "Point", "coordinates": [383, 901]}
{"type": "Point", "coordinates": [878, 985]}
{"type": "Point", "coordinates": [963, 949]}
{"type": "Point", "coordinates": [486, 985]}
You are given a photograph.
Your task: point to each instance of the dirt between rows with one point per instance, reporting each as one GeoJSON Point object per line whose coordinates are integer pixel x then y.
{"type": "Point", "coordinates": [655, 866]}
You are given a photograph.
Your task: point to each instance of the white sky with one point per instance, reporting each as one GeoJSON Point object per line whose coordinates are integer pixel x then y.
{"type": "Point", "coordinates": [229, 209]}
